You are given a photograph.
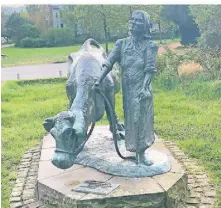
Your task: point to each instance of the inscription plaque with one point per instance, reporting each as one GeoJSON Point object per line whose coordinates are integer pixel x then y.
{"type": "Point", "coordinates": [95, 187]}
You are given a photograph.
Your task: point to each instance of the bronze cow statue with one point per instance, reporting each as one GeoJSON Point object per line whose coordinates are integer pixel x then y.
{"type": "Point", "coordinates": [69, 128]}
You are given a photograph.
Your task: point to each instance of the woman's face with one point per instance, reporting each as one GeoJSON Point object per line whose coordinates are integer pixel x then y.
{"type": "Point", "coordinates": [136, 23]}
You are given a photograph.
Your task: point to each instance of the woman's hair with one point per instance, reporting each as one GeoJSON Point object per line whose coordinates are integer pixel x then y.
{"type": "Point", "coordinates": [147, 23]}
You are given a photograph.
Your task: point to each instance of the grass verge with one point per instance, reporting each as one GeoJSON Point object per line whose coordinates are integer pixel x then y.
{"type": "Point", "coordinates": [193, 123]}
{"type": "Point", "coordinates": [27, 56]}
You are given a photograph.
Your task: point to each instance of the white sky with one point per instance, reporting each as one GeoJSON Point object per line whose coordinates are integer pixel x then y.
{"type": "Point", "coordinates": [110, 2]}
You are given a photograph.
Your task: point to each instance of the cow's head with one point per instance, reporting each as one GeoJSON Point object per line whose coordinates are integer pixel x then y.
{"type": "Point", "coordinates": [69, 137]}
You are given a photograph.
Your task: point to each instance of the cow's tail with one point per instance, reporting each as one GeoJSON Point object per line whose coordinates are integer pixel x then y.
{"type": "Point", "coordinates": [89, 43]}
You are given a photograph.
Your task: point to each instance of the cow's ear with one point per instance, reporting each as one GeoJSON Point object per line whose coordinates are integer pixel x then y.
{"type": "Point", "coordinates": [70, 58]}
{"type": "Point", "coordinates": [49, 123]}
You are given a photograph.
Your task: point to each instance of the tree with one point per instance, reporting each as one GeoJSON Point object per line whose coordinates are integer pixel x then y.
{"type": "Point", "coordinates": [69, 16]}
{"type": "Point", "coordinates": [100, 21]}
{"type": "Point", "coordinates": [18, 27]}
{"type": "Point", "coordinates": [40, 15]}
{"type": "Point", "coordinates": [4, 18]}
{"type": "Point", "coordinates": [180, 15]}
{"type": "Point", "coordinates": [208, 19]}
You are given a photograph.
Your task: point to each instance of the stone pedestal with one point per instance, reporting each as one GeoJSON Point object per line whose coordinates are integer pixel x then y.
{"type": "Point", "coordinates": [55, 186]}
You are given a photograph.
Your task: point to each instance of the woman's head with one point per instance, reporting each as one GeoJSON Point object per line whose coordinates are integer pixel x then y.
{"type": "Point", "coordinates": [139, 24]}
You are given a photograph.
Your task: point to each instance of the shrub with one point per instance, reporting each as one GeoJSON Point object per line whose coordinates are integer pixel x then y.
{"type": "Point", "coordinates": [59, 37]}
{"type": "Point", "coordinates": [167, 80]}
{"type": "Point", "coordinates": [209, 59]}
{"type": "Point", "coordinates": [32, 43]}
{"type": "Point", "coordinates": [170, 61]}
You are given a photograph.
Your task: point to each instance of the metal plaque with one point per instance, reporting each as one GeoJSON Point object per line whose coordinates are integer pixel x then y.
{"type": "Point", "coordinates": [95, 187]}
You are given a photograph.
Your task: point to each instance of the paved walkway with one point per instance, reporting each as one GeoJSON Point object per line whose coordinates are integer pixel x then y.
{"type": "Point", "coordinates": [34, 71]}
{"type": "Point", "coordinates": [7, 45]}
{"type": "Point", "coordinates": [47, 70]}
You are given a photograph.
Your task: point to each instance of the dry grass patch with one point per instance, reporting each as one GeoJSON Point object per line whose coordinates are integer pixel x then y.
{"type": "Point", "coordinates": [189, 68]}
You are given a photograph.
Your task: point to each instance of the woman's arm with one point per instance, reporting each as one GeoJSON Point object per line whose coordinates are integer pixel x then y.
{"type": "Point", "coordinates": [150, 64]}
{"type": "Point", "coordinates": [113, 57]}
{"type": "Point", "coordinates": [150, 69]}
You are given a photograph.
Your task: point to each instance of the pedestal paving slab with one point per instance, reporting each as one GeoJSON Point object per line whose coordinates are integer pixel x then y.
{"type": "Point", "coordinates": [55, 185]}
{"type": "Point", "coordinates": [100, 153]}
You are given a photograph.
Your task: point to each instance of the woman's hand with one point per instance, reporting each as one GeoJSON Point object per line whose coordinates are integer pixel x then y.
{"type": "Point", "coordinates": [145, 93]}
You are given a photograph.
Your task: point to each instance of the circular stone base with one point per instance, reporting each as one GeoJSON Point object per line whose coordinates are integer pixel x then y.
{"type": "Point", "coordinates": [100, 153]}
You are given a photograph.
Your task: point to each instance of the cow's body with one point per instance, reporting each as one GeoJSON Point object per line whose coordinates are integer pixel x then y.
{"type": "Point", "coordinates": [85, 106]}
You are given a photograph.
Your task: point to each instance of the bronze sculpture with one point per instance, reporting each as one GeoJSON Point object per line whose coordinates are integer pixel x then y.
{"type": "Point", "coordinates": [69, 128]}
{"type": "Point", "coordinates": [137, 57]}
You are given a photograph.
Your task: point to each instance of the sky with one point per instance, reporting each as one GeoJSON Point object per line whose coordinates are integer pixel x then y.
{"type": "Point", "coordinates": [111, 2]}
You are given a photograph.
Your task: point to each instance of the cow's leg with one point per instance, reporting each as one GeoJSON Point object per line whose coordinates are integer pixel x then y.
{"type": "Point", "coordinates": [70, 91]}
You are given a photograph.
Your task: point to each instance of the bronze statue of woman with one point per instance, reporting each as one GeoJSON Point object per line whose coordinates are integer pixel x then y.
{"type": "Point", "coordinates": [137, 56]}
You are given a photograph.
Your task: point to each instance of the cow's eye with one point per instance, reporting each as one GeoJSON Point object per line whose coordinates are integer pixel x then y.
{"type": "Point", "coordinates": [69, 131]}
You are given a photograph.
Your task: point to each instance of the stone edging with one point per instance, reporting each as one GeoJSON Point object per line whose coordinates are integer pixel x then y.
{"type": "Point", "coordinates": [23, 192]}
{"type": "Point", "coordinates": [201, 192]}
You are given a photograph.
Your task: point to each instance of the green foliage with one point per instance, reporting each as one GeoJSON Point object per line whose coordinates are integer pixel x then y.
{"type": "Point", "coordinates": [170, 61]}
{"type": "Point", "coordinates": [40, 15]}
{"type": "Point", "coordinates": [18, 27]}
{"type": "Point", "coordinates": [102, 22]}
{"type": "Point", "coordinates": [92, 18]}
{"type": "Point", "coordinates": [200, 85]}
{"type": "Point", "coordinates": [4, 17]}
{"type": "Point", "coordinates": [33, 43]}
{"type": "Point", "coordinates": [209, 59]}
{"type": "Point", "coordinates": [30, 30]}
{"type": "Point", "coordinates": [53, 37]}
{"type": "Point", "coordinates": [58, 37]}
{"type": "Point", "coordinates": [208, 18]}
{"type": "Point", "coordinates": [180, 15]}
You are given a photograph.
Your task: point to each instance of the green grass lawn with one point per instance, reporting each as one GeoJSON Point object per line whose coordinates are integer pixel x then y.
{"type": "Point", "coordinates": [193, 123]}
{"type": "Point", "coordinates": [26, 56]}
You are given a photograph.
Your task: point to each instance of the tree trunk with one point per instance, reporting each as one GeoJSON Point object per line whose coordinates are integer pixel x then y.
{"type": "Point", "coordinates": [106, 35]}
{"type": "Point", "coordinates": [75, 29]}
{"type": "Point", "coordinates": [105, 28]}
{"type": "Point", "coordinates": [131, 10]}
{"type": "Point", "coordinates": [160, 31]}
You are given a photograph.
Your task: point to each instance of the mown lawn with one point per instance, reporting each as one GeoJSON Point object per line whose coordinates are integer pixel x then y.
{"type": "Point", "coordinates": [193, 123]}
{"type": "Point", "coordinates": [26, 56]}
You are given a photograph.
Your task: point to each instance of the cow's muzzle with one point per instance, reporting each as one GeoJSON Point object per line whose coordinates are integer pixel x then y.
{"type": "Point", "coordinates": [63, 160]}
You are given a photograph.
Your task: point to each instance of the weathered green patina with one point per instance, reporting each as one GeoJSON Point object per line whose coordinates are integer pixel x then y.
{"type": "Point", "coordinates": [89, 68]}
{"type": "Point", "coordinates": [69, 128]}
{"type": "Point", "coordinates": [137, 57]}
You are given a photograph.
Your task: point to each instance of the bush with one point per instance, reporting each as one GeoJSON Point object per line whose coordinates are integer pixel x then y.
{"type": "Point", "coordinates": [164, 35]}
{"type": "Point", "coordinates": [167, 80]}
{"type": "Point", "coordinates": [170, 61]}
{"type": "Point", "coordinates": [59, 37]}
{"type": "Point", "coordinates": [209, 59]}
{"type": "Point", "coordinates": [33, 43]}
{"type": "Point", "coordinates": [203, 85]}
